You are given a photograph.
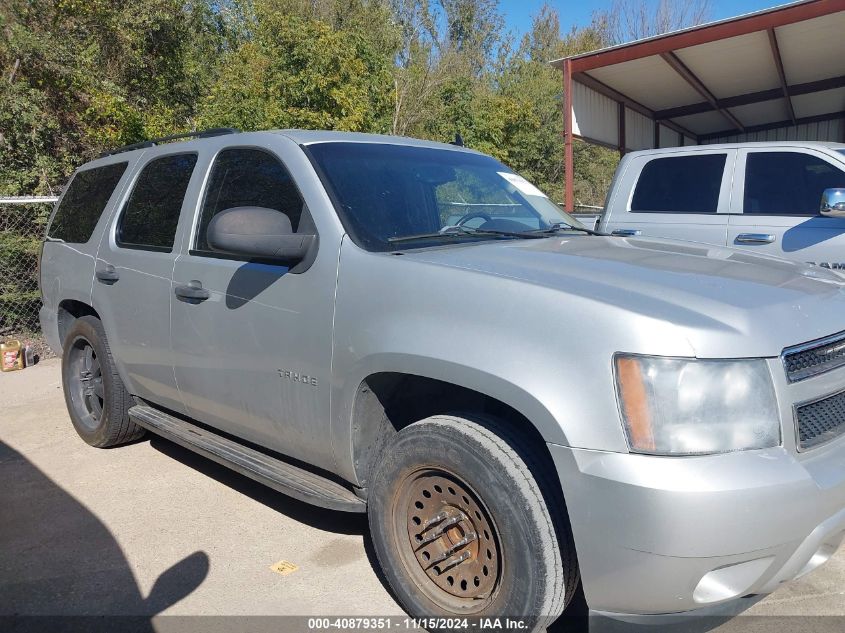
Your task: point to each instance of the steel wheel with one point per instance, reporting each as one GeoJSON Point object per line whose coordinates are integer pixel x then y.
{"type": "Point", "coordinates": [86, 383]}
{"type": "Point", "coordinates": [447, 540]}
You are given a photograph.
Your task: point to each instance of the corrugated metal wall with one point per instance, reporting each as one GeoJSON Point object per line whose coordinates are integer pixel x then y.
{"type": "Point", "coordinates": [639, 130]}
{"type": "Point", "coordinates": [822, 131]}
{"type": "Point", "coordinates": [594, 115]}
{"type": "Point", "coordinates": [668, 138]}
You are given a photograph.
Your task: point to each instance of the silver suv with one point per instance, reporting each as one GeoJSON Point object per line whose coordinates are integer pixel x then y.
{"type": "Point", "coordinates": [411, 330]}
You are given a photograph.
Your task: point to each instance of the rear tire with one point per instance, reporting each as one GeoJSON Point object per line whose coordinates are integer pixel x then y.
{"type": "Point", "coordinates": [454, 487]}
{"type": "Point", "coordinates": [96, 399]}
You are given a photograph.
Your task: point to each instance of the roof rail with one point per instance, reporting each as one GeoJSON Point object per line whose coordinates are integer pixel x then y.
{"type": "Point", "coordinates": [217, 131]}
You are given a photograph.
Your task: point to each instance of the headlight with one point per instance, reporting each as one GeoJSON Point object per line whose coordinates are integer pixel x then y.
{"type": "Point", "coordinates": [676, 406]}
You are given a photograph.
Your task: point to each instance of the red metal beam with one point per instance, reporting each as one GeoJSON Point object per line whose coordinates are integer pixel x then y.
{"type": "Point", "coordinates": [620, 133]}
{"type": "Point", "coordinates": [704, 34]}
{"type": "Point", "coordinates": [752, 97]}
{"type": "Point", "coordinates": [610, 93]}
{"type": "Point", "coordinates": [773, 44]}
{"type": "Point", "coordinates": [679, 67]}
{"type": "Point", "coordinates": [819, 118]}
{"type": "Point", "coordinates": [568, 161]}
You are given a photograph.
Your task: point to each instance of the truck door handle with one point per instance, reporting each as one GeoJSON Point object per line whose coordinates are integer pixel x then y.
{"type": "Point", "coordinates": [754, 238]}
{"type": "Point", "coordinates": [627, 232]}
{"type": "Point", "coordinates": [107, 274]}
{"type": "Point", "coordinates": [192, 292]}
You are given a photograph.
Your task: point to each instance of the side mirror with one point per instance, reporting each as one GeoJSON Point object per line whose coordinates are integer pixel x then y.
{"type": "Point", "coordinates": [833, 203]}
{"type": "Point", "coordinates": [257, 232]}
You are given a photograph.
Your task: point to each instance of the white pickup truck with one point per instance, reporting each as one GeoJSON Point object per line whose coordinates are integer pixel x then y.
{"type": "Point", "coordinates": [778, 198]}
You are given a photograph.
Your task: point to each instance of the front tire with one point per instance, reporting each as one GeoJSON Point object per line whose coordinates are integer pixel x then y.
{"type": "Point", "coordinates": [462, 528]}
{"type": "Point", "coordinates": [96, 399]}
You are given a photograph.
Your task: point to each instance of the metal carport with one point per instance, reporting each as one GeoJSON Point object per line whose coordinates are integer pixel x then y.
{"type": "Point", "coordinates": [777, 74]}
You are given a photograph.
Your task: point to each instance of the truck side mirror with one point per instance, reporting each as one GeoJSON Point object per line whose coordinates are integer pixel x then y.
{"type": "Point", "coordinates": [257, 232]}
{"type": "Point", "coordinates": [833, 203]}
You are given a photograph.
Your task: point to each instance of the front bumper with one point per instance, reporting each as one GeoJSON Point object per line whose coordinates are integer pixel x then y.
{"type": "Point", "coordinates": [661, 535]}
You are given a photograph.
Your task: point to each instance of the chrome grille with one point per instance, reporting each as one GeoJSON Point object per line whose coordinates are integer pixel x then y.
{"type": "Point", "coordinates": [816, 357]}
{"type": "Point", "coordinates": [820, 421]}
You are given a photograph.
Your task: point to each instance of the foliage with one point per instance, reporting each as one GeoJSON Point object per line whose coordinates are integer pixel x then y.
{"type": "Point", "coordinates": [300, 73]}
{"type": "Point", "coordinates": [20, 237]}
{"type": "Point", "coordinates": [80, 76]}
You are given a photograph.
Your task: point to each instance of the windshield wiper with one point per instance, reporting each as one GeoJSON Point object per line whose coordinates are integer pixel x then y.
{"type": "Point", "coordinates": [563, 226]}
{"type": "Point", "coordinates": [452, 232]}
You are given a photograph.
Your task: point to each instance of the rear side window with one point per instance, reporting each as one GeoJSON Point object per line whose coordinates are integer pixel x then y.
{"type": "Point", "coordinates": [245, 177]}
{"type": "Point", "coordinates": [787, 183]}
{"type": "Point", "coordinates": [680, 184]}
{"type": "Point", "coordinates": [84, 202]}
{"type": "Point", "coordinates": [152, 212]}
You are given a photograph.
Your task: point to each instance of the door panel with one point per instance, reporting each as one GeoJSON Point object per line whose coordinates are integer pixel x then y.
{"type": "Point", "coordinates": [681, 196]}
{"type": "Point", "coordinates": [778, 191]}
{"type": "Point", "coordinates": [251, 360]}
{"type": "Point", "coordinates": [710, 229]}
{"type": "Point", "coordinates": [133, 276]}
{"type": "Point", "coordinates": [816, 240]}
{"type": "Point", "coordinates": [254, 358]}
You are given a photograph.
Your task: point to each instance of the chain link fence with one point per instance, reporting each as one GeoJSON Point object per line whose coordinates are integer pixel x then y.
{"type": "Point", "coordinates": [22, 226]}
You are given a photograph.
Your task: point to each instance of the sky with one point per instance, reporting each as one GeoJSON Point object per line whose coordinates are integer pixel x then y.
{"type": "Point", "coordinates": [578, 12]}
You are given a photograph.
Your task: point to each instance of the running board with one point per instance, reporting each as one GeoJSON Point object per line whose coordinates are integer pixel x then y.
{"type": "Point", "coordinates": [291, 480]}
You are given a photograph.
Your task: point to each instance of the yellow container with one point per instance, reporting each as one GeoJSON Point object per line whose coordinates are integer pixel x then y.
{"type": "Point", "coordinates": [11, 355]}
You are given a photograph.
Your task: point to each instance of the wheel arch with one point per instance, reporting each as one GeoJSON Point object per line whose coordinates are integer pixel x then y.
{"type": "Point", "coordinates": [386, 401]}
{"type": "Point", "coordinates": [68, 311]}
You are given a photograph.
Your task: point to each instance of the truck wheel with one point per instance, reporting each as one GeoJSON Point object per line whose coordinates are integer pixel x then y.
{"type": "Point", "coordinates": [96, 399]}
{"type": "Point", "coordinates": [461, 526]}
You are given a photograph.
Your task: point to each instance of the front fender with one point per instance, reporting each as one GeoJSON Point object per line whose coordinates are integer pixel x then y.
{"type": "Point", "coordinates": [491, 335]}
{"type": "Point", "coordinates": [457, 374]}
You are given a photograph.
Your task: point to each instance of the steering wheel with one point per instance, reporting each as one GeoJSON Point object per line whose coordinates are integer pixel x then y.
{"type": "Point", "coordinates": [472, 216]}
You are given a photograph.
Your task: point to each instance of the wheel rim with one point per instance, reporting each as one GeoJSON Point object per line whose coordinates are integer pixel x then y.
{"type": "Point", "coordinates": [85, 378]}
{"type": "Point", "coordinates": [447, 540]}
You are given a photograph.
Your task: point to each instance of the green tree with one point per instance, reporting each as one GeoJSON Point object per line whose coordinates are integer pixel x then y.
{"type": "Point", "coordinates": [79, 77]}
{"type": "Point", "coordinates": [300, 72]}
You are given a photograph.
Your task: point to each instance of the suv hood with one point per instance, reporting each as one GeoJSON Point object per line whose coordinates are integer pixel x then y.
{"type": "Point", "coordinates": [765, 303]}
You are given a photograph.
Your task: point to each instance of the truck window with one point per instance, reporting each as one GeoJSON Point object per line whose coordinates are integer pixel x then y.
{"type": "Point", "coordinates": [244, 177]}
{"type": "Point", "coordinates": [680, 184]}
{"type": "Point", "coordinates": [83, 203]}
{"type": "Point", "coordinates": [151, 214]}
{"type": "Point", "coordinates": [787, 183]}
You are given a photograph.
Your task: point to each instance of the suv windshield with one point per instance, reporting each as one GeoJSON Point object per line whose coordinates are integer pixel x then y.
{"type": "Point", "coordinates": [387, 192]}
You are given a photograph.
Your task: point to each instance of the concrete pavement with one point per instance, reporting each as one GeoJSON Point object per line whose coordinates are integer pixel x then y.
{"type": "Point", "coordinates": [152, 528]}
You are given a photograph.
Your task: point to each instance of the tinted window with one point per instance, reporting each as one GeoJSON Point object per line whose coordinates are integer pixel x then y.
{"type": "Point", "coordinates": [385, 192]}
{"type": "Point", "coordinates": [473, 201]}
{"type": "Point", "coordinates": [152, 212]}
{"type": "Point", "coordinates": [680, 184]}
{"type": "Point", "coordinates": [787, 183]}
{"type": "Point", "coordinates": [83, 203]}
{"type": "Point", "coordinates": [248, 178]}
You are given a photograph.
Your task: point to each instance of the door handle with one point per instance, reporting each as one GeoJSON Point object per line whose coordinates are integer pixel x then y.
{"type": "Point", "coordinates": [107, 274]}
{"type": "Point", "coordinates": [754, 238]}
{"type": "Point", "coordinates": [192, 292]}
{"type": "Point", "coordinates": [627, 232]}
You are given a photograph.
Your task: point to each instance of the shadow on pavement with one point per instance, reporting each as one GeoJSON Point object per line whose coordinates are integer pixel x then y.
{"type": "Point", "coordinates": [314, 516]}
{"type": "Point", "coordinates": [57, 559]}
